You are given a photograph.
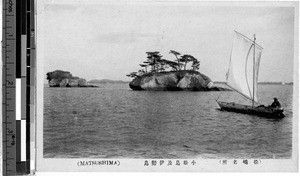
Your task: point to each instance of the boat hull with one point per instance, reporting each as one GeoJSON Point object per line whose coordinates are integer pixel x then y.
{"type": "Point", "coordinates": [258, 111]}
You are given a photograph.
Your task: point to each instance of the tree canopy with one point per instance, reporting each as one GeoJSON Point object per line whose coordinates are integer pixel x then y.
{"type": "Point", "coordinates": [157, 64]}
{"type": "Point", "coordinates": [59, 75]}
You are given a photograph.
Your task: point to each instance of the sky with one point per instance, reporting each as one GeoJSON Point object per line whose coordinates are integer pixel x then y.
{"type": "Point", "coordinates": [110, 40]}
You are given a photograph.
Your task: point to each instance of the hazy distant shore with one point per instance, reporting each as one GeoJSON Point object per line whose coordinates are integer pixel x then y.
{"type": "Point", "coordinates": [107, 81]}
{"type": "Point", "coordinates": [267, 83]}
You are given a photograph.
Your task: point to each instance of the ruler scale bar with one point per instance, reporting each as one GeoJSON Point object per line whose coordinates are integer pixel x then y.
{"type": "Point", "coordinates": [23, 55]}
{"type": "Point", "coordinates": [23, 98]}
{"type": "Point", "coordinates": [18, 99]}
{"type": "Point", "coordinates": [18, 51]}
{"type": "Point", "coordinates": [8, 108]}
{"type": "Point", "coordinates": [28, 27]}
{"type": "Point", "coordinates": [18, 143]}
{"type": "Point", "coordinates": [23, 140]}
{"type": "Point", "coordinates": [32, 64]}
{"type": "Point", "coordinates": [23, 16]}
{"type": "Point", "coordinates": [28, 5]}
{"type": "Point", "coordinates": [18, 38]}
{"type": "Point", "coordinates": [29, 93]}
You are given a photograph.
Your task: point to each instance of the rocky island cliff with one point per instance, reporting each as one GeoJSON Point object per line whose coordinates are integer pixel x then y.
{"type": "Point", "coordinates": [166, 75]}
{"type": "Point", "coordinates": [187, 80]}
{"type": "Point", "coordinates": [59, 78]}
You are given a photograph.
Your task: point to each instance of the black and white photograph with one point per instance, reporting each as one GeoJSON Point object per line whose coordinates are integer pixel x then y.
{"type": "Point", "coordinates": [154, 82]}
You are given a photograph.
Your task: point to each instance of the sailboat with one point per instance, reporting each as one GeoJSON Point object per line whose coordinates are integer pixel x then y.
{"type": "Point", "coordinates": [242, 77]}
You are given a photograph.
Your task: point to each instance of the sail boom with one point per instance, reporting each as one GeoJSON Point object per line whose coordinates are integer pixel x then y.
{"type": "Point", "coordinates": [249, 98]}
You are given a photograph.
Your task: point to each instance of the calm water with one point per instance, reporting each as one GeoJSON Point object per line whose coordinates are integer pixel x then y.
{"type": "Point", "coordinates": [114, 122]}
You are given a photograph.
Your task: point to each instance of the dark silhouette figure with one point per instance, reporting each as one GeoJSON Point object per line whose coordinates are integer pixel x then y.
{"type": "Point", "coordinates": [276, 103]}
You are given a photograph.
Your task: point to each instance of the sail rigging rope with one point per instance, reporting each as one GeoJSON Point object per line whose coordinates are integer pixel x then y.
{"type": "Point", "coordinates": [249, 39]}
{"type": "Point", "coordinates": [250, 93]}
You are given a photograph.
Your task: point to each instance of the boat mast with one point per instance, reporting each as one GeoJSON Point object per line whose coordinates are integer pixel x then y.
{"type": "Point", "coordinates": [253, 70]}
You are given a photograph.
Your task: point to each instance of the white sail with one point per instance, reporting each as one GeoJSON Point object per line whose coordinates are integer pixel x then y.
{"type": "Point", "coordinates": [242, 76]}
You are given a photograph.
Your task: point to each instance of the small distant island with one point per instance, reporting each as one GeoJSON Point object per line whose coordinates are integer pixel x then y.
{"type": "Point", "coordinates": [60, 78]}
{"type": "Point", "coordinates": [166, 75]}
{"type": "Point", "coordinates": [107, 81]}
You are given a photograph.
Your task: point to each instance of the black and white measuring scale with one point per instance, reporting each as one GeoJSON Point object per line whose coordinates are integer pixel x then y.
{"type": "Point", "coordinates": [18, 65]}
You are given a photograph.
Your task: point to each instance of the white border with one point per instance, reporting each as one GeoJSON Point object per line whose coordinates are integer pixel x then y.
{"type": "Point", "coordinates": [207, 165]}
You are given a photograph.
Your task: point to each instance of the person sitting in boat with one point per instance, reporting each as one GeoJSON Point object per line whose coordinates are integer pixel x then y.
{"type": "Point", "coordinates": [276, 103]}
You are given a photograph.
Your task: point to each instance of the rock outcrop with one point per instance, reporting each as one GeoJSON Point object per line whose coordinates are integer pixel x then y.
{"type": "Point", "coordinates": [59, 78]}
{"type": "Point", "coordinates": [174, 81]}
{"type": "Point", "coordinates": [77, 82]}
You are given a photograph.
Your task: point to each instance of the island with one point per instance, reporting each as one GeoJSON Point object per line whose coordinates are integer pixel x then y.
{"type": "Point", "coordinates": [60, 78]}
{"type": "Point", "coordinates": [166, 75]}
